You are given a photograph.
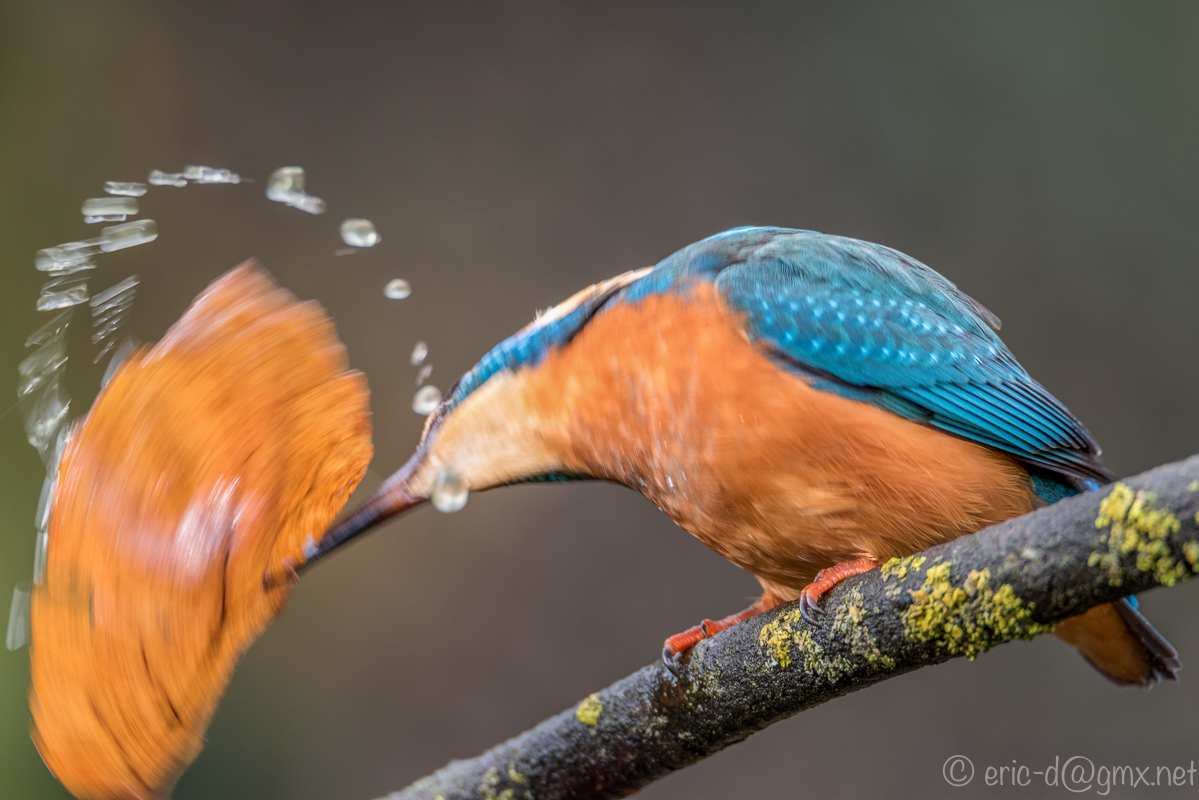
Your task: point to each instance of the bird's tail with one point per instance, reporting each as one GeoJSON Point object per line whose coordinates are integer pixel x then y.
{"type": "Point", "coordinates": [1121, 644]}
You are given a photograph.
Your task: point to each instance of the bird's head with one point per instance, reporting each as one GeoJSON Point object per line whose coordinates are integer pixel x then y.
{"type": "Point", "coordinates": [489, 430]}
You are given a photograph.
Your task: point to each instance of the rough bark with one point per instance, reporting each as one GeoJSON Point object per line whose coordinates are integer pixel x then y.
{"type": "Point", "coordinates": [1012, 580]}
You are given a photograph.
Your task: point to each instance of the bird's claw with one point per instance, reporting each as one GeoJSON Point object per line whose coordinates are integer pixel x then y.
{"type": "Point", "coordinates": [809, 607]}
{"type": "Point", "coordinates": [672, 661]}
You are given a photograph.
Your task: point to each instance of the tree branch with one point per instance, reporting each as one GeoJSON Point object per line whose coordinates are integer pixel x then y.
{"type": "Point", "coordinates": [1012, 580]}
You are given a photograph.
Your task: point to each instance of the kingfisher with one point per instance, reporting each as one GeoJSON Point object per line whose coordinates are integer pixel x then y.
{"type": "Point", "coordinates": [806, 405]}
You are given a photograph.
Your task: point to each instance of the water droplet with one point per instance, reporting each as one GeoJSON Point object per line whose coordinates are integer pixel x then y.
{"type": "Point", "coordinates": [359, 233]}
{"type": "Point", "coordinates": [115, 362]}
{"type": "Point", "coordinates": [424, 374]}
{"type": "Point", "coordinates": [47, 358]}
{"type": "Point", "coordinates": [42, 518]}
{"type": "Point", "coordinates": [55, 328]}
{"type": "Point", "coordinates": [106, 330]}
{"type": "Point", "coordinates": [126, 188]}
{"type": "Point", "coordinates": [309, 203]}
{"type": "Point", "coordinates": [131, 234]}
{"type": "Point", "coordinates": [426, 400]}
{"type": "Point", "coordinates": [202, 174]}
{"type": "Point", "coordinates": [104, 206]}
{"type": "Point", "coordinates": [105, 218]}
{"type": "Point", "coordinates": [112, 295]}
{"type": "Point", "coordinates": [110, 308]}
{"type": "Point", "coordinates": [449, 492]}
{"type": "Point", "coordinates": [40, 543]}
{"type": "Point", "coordinates": [69, 257]}
{"type": "Point", "coordinates": [397, 289]}
{"type": "Point", "coordinates": [53, 297]}
{"type": "Point", "coordinates": [345, 251]}
{"type": "Point", "coordinates": [160, 178]}
{"type": "Point", "coordinates": [18, 617]}
{"type": "Point", "coordinates": [45, 410]}
{"type": "Point", "coordinates": [286, 185]}
{"type": "Point", "coordinates": [419, 352]}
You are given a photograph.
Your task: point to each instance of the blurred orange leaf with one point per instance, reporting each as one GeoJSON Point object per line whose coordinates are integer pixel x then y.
{"type": "Point", "coordinates": [208, 460]}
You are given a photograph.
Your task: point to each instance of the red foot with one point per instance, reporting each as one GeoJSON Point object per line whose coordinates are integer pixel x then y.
{"type": "Point", "coordinates": [678, 645]}
{"type": "Point", "coordinates": [826, 579]}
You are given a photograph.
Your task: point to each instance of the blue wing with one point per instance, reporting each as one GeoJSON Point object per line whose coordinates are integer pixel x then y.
{"type": "Point", "coordinates": [869, 323]}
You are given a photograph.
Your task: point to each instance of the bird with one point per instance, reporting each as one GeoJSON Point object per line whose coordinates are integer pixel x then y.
{"type": "Point", "coordinates": [807, 405]}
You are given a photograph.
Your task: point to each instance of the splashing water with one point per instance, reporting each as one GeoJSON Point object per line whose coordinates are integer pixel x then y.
{"type": "Point", "coordinates": [57, 294]}
{"type": "Point", "coordinates": [40, 543]}
{"type": "Point", "coordinates": [131, 234]}
{"type": "Point", "coordinates": [45, 410]}
{"type": "Point", "coordinates": [449, 492]}
{"type": "Point", "coordinates": [109, 206]}
{"type": "Point", "coordinates": [56, 327]}
{"type": "Point", "coordinates": [126, 188]}
{"type": "Point", "coordinates": [43, 402]}
{"type": "Point", "coordinates": [110, 308]}
{"type": "Point", "coordinates": [70, 257]}
{"type": "Point", "coordinates": [359, 233]}
{"type": "Point", "coordinates": [426, 400]}
{"type": "Point", "coordinates": [160, 178]}
{"type": "Point", "coordinates": [18, 617]}
{"type": "Point", "coordinates": [201, 174]}
{"type": "Point", "coordinates": [286, 185]}
{"type": "Point", "coordinates": [118, 358]}
{"type": "Point", "coordinates": [397, 289]}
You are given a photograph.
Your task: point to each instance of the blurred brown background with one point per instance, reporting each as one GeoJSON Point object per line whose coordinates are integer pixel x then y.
{"type": "Point", "coordinates": [1043, 156]}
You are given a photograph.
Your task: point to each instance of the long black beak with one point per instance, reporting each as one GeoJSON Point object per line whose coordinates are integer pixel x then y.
{"type": "Point", "coordinates": [392, 498]}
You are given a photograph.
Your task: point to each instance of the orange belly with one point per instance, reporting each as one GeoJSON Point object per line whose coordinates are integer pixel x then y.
{"type": "Point", "coordinates": [668, 396]}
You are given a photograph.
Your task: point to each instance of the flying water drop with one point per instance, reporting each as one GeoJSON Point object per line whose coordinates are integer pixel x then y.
{"type": "Point", "coordinates": [55, 296]}
{"type": "Point", "coordinates": [114, 363]}
{"type": "Point", "coordinates": [18, 617]}
{"type": "Point", "coordinates": [419, 352]}
{"type": "Point", "coordinates": [44, 409]}
{"type": "Point", "coordinates": [201, 174]}
{"type": "Point", "coordinates": [449, 492]}
{"type": "Point", "coordinates": [426, 400]}
{"type": "Point", "coordinates": [397, 289]}
{"type": "Point", "coordinates": [112, 294]}
{"type": "Point", "coordinates": [42, 518]}
{"type": "Point", "coordinates": [423, 374]}
{"type": "Point", "coordinates": [56, 327]}
{"type": "Point", "coordinates": [39, 555]}
{"type": "Point", "coordinates": [126, 188]}
{"type": "Point", "coordinates": [286, 185]}
{"type": "Point", "coordinates": [69, 257]}
{"type": "Point", "coordinates": [109, 206]}
{"type": "Point", "coordinates": [131, 234]}
{"type": "Point", "coordinates": [46, 359]}
{"type": "Point", "coordinates": [160, 178]}
{"type": "Point", "coordinates": [359, 233]}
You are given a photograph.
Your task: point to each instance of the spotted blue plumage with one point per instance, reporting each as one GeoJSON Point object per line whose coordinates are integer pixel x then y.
{"type": "Point", "coordinates": [872, 324]}
{"type": "Point", "coordinates": [865, 322]}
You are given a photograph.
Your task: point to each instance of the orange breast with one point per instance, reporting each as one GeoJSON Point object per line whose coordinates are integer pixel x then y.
{"type": "Point", "coordinates": [668, 396]}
